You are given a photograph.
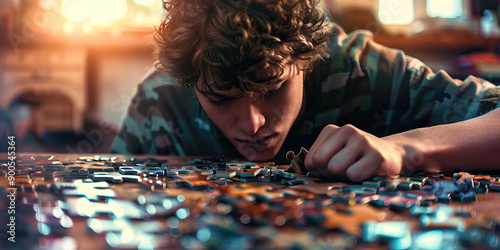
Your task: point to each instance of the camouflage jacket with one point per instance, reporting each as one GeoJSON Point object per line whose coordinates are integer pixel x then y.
{"type": "Point", "coordinates": [375, 88]}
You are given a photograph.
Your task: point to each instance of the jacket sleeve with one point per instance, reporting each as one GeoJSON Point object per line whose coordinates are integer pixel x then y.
{"type": "Point", "coordinates": [397, 91]}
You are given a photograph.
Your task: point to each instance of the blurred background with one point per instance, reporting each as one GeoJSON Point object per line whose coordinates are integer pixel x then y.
{"type": "Point", "coordinates": [68, 68]}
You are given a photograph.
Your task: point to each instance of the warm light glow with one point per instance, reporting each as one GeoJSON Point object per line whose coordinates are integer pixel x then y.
{"type": "Point", "coordinates": [87, 28]}
{"type": "Point", "coordinates": [68, 27]}
{"type": "Point", "coordinates": [148, 3]}
{"type": "Point", "coordinates": [396, 12]}
{"type": "Point", "coordinates": [444, 8]}
{"type": "Point", "coordinates": [97, 12]}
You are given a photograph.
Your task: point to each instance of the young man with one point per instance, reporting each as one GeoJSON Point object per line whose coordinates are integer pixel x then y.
{"type": "Point", "coordinates": [257, 78]}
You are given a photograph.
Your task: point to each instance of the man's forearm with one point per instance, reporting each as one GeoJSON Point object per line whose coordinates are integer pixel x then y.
{"type": "Point", "coordinates": [471, 144]}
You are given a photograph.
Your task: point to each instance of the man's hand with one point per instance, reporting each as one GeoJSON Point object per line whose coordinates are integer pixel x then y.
{"type": "Point", "coordinates": [350, 152]}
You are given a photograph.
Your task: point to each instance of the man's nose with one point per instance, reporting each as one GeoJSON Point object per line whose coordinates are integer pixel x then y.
{"type": "Point", "coordinates": [251, 118]}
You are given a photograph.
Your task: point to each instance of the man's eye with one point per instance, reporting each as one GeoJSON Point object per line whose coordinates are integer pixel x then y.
{"type": "Point", "coordinates": [219, 104]}
{"type": "Point", "coordinates": [273, 92]}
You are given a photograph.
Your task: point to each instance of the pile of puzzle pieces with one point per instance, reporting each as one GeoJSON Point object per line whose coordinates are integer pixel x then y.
{"type": "Point", "coordinates": [148, 203]}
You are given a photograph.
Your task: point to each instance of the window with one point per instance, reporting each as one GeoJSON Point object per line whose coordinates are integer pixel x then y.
{"type": "Point", "coordinates": [445, 8]}
{"type": "Point", "coordinates": [396, 12]}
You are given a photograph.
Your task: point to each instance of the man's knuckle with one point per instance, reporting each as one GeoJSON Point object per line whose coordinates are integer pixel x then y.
{"type": "Point", "coordinates": [328, 128]}
{"type": "Point", "coordinates": [317, 158]}
{"type": "Point", "coordinates": [334, 167]}
{"type": "Point", "coordinates": [349, 129]}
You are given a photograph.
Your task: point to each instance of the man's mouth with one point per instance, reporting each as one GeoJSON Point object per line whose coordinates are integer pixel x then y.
{"type": "Point", "coordinates": [261, 141]}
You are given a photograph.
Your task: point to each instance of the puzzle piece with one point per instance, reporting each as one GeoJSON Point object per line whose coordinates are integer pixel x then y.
{"type": "Point", "coordinates": [241, 165]}
{"type": "Point", "coordinates": [293, 182]}
{"type": "Point", "coordinates": [393, 202]}
{"type": "Point", "coordinates": [462, 189]}
{"type": "Point", "coordinates": [323, 189]}
{"type": "Point", "coordinates": [243, 173]}
{"type": "Point", "coordinates": [252, 174]}
{"type": "Point", "coordinates": [419, 210]}
{"type": "Point", "coordinates": [194, 181]}
{"type": "Point", "coordinates": [223, 174]}
{"type": "Point", "coordinates": [482, 187]}
{"type": "Point", "coordinates": [396, 182]}
{"type": "Point", "coordinates": [114, 177]}
{"type": "Point", "coordinates": [47, 174]}
{"type": "Point", "coordinates": [97, 167]}
{"type": "Point", "coordinates": [465, 175]}
{"type": "Point", "coordinates": [358, 190]}
{"type": "Point", "coordinates": [18, 170]}
{"type": "Point", "coordinates": [283, 174]}
{"type": "Point", "coordinates": [74, 167]}
{"type": "Point", "coordinates": [495, 186]}
{"type": "Point", "coordinates": [172, 171]}
{"type": "Point", "coordinates": [201, 162]}
{"type": "Point", "coordinates": [87, 188]}
{"type": "Point", "coordinates": [129, 170]}
{"type": "Point", "coordinates": [394, 232]}
{"type": "Point", "coordinates": [150, 160]}
{"type": "Point", "coordinates": [55, 165]}
{"type": "Point", "coordinates": [70, 177]}
{"type": "Point", "coordinates": [247, 192]}
{"type": "Point", "coordinates": [426, 197]}
{"type": "Point", "coordinates": [350, 218]}
{"type": "Point", "coordinates": [263, 178]}
{"type": "Point", "coordinates": [136, 170]}
{"type": "Point", "coordinates": [119, 209]}
{"type": "Point", "coordinates": [288, 192]}
{"type": "Point", "coordinates": [433, 177]}
{"type": "Point", "coordinates": [42, 184]}
{"type": "Point", "coordinates": [372, 184]}
{"type": "Point", "coordinates": [297, 165]}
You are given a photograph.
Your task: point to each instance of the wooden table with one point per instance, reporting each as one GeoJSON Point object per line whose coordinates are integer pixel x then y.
{"type": "Point", "coordinates": [223, 215]}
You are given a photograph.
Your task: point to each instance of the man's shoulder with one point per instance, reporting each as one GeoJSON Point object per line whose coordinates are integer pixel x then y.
{"type": "Point", "coordinates": [156, 77]}
{"type": "Point", "coordinates": [156, 83]}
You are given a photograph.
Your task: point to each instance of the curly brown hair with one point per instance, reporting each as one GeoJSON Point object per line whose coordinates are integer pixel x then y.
{"type": "Point", "coordinates": [239, 43]}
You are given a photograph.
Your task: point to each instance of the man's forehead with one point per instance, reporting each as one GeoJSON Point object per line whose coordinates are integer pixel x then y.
{"type": "Point", "coordinates": [226, 94]}
{"type": "Point", "coordinates": [235, 92]}
{"type": "Point", "coordinates": [209, 87]}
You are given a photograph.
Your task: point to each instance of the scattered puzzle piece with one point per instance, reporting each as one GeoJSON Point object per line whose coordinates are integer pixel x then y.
{"type": "Point", "coordinates": [393, 202]}
{"type": "Point", "coordinates": [195, 181]}
{"type": "Point", "coordinates": [461, 189]}
{"type": "Point", "coordinates": [114, 177]}
{"type": "Point", "coordinates": [297, 165]}
{"type": "Point", "coordinates": [351, 218]}
{"type": "Point", "coordinates": [322, 209]}
{"type": "Point", "coordinates": [87, 188]}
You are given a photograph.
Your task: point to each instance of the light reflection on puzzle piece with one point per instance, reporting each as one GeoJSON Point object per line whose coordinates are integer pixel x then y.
{"type": "Point", "coordinates": [87, 188]}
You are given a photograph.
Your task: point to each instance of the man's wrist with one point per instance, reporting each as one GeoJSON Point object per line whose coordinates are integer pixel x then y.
{"type": "Point", "coordinates": [416, 155]}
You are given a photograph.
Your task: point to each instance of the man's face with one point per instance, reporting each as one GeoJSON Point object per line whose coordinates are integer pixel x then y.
{"type": "Point", "coordinates": [257, 127]}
